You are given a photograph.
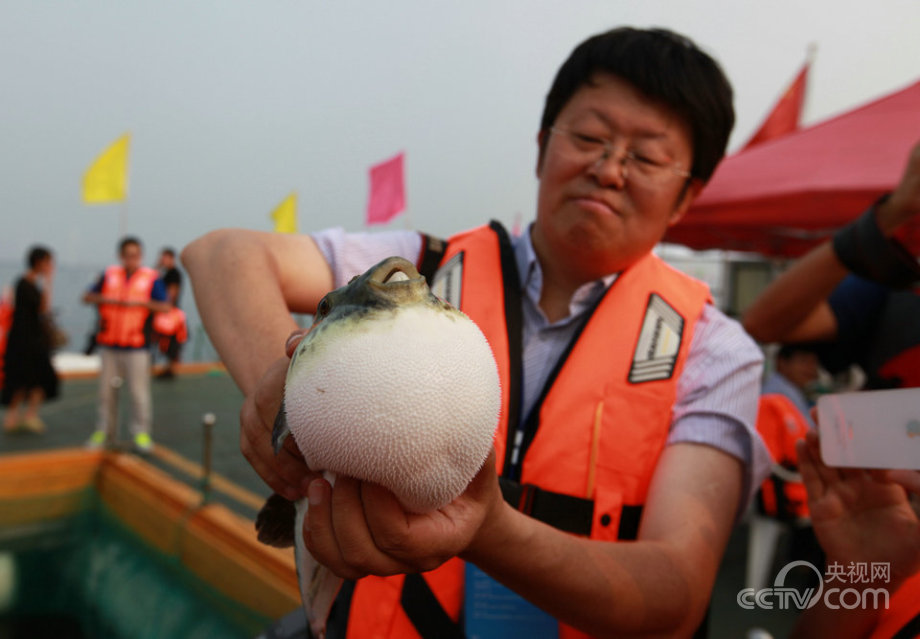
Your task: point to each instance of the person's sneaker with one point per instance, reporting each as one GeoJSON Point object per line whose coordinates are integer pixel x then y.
{"type": "Point", "coordinates": [143, 443]}
{"type": "Point", "coordinates": [166, 374]}
{"type": "Point", "coordinates": [96, 440]}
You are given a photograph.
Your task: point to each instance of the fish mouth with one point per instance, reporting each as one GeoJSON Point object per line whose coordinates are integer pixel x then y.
{"type": "Point", "coordinates": [394, 271]}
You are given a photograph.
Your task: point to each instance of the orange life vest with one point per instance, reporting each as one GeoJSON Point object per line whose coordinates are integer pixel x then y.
{"type": "Point", "coordinates": [124, 325]}
{"type": "Point", "coordinates": [902, 619]}
{"type": "Point", "coordinates": [603, 422]}
{"type": "Point", "coordinates": [781, 425]}
{"type": "Point", "coordinates": [171, 322]}
{"type": "Point", "coordinates": [6, 322]}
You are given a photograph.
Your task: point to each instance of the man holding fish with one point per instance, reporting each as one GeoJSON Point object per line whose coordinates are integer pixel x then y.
{"type": "Point", "coordinates": [625, 450]}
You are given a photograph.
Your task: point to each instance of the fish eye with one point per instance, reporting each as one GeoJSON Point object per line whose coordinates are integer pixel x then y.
{"type": "Point", "coordinates": [323, 308]}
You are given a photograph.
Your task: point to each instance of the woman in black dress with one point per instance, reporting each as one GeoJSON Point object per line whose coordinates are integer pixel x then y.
{"type": "Point", "coordinates": [28, 376]}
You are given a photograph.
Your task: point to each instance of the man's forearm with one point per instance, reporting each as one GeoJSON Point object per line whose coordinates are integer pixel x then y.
{"type": "Point", "coordinates": [658, 585]}
{"type": "Point", "coordinates": [782, 312]}
{"type": "Point", "coordinates": [602, 588]}
{"type": "Point", "coordinates": [239, 297]}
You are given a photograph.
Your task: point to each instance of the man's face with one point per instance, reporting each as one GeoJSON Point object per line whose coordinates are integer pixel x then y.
{"type": "Point", "coordinates": [131, 257]}
{"type": "Point", "coordinates": [167, 260]}
{"type": "Point", "coordinates": [591, 219]}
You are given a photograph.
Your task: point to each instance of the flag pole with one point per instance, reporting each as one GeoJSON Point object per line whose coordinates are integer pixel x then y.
{"type": "Point", "coordinates": [811, 52]}
{"type": "Point", "coordinates": [123, 219]}
{"type": "Point", "coordinates": [123, 213]}
{"type": "Point", "coordinates": [408, 221]}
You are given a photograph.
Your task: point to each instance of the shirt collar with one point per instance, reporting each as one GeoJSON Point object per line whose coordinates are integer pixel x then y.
{"type": "Point", "coordinates": [532, 278]}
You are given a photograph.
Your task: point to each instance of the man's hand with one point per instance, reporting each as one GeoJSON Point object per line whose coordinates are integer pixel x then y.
{"type": "Point", "coordinates": [358, 528]}
{"type": "Point", "coordinates": [859, 515]}
{"type": "Point", "coordinates": [286, 473]}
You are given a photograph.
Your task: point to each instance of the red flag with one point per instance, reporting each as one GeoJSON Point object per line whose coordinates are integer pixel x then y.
{"type": "Point", "coordinates": [784, 118]}
{"type": "Point", "coordinates": [388, 190]}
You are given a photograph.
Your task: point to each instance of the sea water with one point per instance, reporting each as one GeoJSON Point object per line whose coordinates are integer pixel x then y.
{"type": "Point", "coordinates": [89, 576]}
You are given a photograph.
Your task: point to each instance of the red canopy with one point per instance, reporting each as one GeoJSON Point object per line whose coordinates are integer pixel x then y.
{"type": "Point", "coordinates": [783, 196]}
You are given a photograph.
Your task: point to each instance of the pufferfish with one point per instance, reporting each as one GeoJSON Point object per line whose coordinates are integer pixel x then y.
{"type": "Point", "coordinates": [392, 386]}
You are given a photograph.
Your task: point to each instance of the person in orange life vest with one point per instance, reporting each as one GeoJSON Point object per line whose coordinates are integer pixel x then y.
{"type": "Point", "coordinates": [781, 424]}
{"type": "Point", "coordinates": [125, 295]}
{"type": "Point", "coordinates": [170, 329]}
{"type": "Point", "coordinates": [6, 321]}
{"type": "Point", "coordinates": [864, 517]}
{"type": "Point", "coordinates": [858, 295]}
{"type": "Point", "coordinates": [634, 126]}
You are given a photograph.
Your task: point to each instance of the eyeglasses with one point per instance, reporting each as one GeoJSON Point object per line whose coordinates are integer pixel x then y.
{"type": "Point", "coordinates": [637, 166]}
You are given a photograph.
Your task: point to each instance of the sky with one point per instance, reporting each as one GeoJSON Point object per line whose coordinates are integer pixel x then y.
{"type": "Point", "coordinates": [233, 105]}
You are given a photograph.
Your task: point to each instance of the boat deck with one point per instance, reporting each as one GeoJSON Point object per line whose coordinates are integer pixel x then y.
{"type": "Point", "coordinates": [179, 405]}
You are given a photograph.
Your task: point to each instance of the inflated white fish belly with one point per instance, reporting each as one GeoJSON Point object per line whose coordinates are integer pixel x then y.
{"type": "Point", "coordinates": [407, 398]}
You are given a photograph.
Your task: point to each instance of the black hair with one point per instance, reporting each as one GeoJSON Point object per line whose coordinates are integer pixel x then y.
{"type": "Point", "coordinates": [127, 241]}
{"type": "Point", "coordinates": [36, 255]}
{"type": "Point", "coordinates": [168, 250]}
{"type": "Point", "coordinates": [665, 66]}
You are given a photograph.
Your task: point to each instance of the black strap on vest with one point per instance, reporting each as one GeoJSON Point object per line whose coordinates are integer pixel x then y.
{"type": "Point", "coordinates": [433, 250]}
{"type": "Point", "coordinates": [630, 518]}
{"type": "Point", "coordinates": [514, 321]}
{"type": "Point", "coordinates": [565, 512]}
{"type": "Point", "coordinates": [532, 423]}
{"type": "Point", "coordinates": [571, 514]}
{"type": "Point", "coordinates": [337, 624]}
{"type": "Point", "coordinates": [425, 611]}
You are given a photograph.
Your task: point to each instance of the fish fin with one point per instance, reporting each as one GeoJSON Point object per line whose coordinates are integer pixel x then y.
{"type": "Point", "coordinates": [275, 522]}
{"type": "Point", "coordinates": [280, 430]}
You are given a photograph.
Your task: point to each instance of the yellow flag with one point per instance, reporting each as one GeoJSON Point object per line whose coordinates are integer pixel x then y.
{"type": "Point", "coordinates": [285, 216]}
{"type": "Point", "coordinates": [106, 180]}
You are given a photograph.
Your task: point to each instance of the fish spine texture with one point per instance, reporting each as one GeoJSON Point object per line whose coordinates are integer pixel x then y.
{"type": "Point", "coordinates": [406, 398]}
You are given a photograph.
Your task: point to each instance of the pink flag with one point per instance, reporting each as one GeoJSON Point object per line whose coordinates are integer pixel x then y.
{"type": "Point", "coordinates": [388, 190]}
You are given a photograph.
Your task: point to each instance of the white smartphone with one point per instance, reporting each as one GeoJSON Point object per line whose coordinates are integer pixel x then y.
{"type": "Point", "coordinates": [871, 429]}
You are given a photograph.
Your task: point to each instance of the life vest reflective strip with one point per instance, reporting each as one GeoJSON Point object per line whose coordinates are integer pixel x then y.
{"type": "Point", "coordinates": [171, 322]}
{"type": "Point", "coordinates": [124, 325]}
{"type": "Point", "coordinates": [614, 429]}
{"type": "Point", "coordinates": [781, 425]}
{"type": "Point", "coordinates": [902, 619]}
